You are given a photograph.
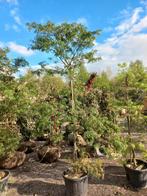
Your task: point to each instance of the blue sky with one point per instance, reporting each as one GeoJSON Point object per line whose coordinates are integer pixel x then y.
{"type": "Point", "coordinates": [123, 24]}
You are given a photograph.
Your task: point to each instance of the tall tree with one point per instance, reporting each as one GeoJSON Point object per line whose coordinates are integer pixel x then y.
{"type": "Point", "coordinates": [69, 44]}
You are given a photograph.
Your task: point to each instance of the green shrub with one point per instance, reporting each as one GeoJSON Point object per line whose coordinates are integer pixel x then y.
{"type": "Point", "coordinates": [9, 141]}
{"type": "Point", "coordinates": [88, 166]}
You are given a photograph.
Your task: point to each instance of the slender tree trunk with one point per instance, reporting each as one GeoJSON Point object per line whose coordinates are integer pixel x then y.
{"type": "Point", "coordinates": [132, 153]}
{"type": "Point", "coordinates": [134, 158]}
{"type": "Point", "coordinates": [75, 150]}
{"type": "Point", "coordinates": [129, 125]}
{"type": "Point", "coordinates": [72, 95]}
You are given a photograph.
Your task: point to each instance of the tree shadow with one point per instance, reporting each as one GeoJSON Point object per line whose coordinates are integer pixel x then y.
{"type": "Point", "coordinates": [113, 175]}
{"type": "Point", "coordinates": [36, 169]}
{"type": "Point", "coordinates": [37, 187]}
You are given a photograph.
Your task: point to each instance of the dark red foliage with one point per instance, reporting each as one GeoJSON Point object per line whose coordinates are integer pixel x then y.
{"type": "Point", "coordinates": [90, 82]}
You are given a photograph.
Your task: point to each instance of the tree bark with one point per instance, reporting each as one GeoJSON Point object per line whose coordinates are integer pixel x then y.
{"type": "Point", "coordinates": [72, 95]}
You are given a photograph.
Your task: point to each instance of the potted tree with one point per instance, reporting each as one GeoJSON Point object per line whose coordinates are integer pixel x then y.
{"type": "Point", "coordinates": [136, 168]}
{"type": "Point", "coordinates": [72, 45]}
{"type": "Point", "coordinates": [99, 132]}
{"type": "Point", "coordinates": [76, 177]}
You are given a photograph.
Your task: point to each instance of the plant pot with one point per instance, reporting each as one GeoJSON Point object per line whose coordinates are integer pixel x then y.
{"type": "Point", "coordinates": [137, 178]}
{"type": "Point", "coordinates": [76, 187]}
{"type": "Point", "coordinates": [47, 154]}
{"type": "Point", "coordinates": [4, 180]}
{"type": "Point", "coordinates": [13, 160]}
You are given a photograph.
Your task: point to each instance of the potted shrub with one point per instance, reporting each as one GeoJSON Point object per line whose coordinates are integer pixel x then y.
{"type": "Point", "coordinates": [97, 124]}
{"type": "Point", "coordinates": [4, 176]}
{"type": "Point", "coordinates": [48, 122]}
{"type": "Point", "coordinates": [9, 142]}
{"type": "Point", "coordinates": [76, 177]}
{"type": "Point", "coordinates": [136, 168]}
{"type": "Point", "coordinates": [9, 107]}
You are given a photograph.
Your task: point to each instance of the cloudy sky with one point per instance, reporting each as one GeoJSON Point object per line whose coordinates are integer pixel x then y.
{"type": "Point", "coordinates": [123, 24]}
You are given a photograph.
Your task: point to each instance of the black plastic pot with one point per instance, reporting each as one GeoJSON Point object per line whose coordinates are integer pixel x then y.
{"type": "Point", "coordinates": [76, 187]}
{"type": "Point", "coordinates": [4, 181]}
{"type": "Point", "coordinates": [137, 178]}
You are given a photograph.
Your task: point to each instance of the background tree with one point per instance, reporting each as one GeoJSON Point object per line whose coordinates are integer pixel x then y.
{"type": "Point", "coordinates": [8, 85]}
{"type": "Point", "coordinates": [130, 84]}
{"type": "Point", "coordinates": [103, 82]}
{"type": "Point", "coordinates": [137, 75]}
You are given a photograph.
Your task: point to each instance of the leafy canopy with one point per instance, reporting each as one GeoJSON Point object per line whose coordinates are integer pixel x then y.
{"type": "Point", "coordinates": [69, 43]}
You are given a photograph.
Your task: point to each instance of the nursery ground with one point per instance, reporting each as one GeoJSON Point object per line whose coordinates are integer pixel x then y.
{"type": "Point", "coordinates": [37, 179]}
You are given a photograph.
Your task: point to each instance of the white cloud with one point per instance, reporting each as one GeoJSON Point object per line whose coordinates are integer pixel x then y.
{"type": "Point", "coordinates": [13, 12]}
{"type": "Point", "coordinates": [7, 27]}
{"type": "Point", "coordinates": [1, 44]}
{"type": "Point", "coordinates": [127, 24]}
{"type": "Point", "coordinates": [12, 1]}
{"type": "Point", "coordinates": [15, 28]}
{"type": "Point", "coordinates": [141, 25]}
{"type": "Point", "coordinates": [15, 2]}
{"type": "Point", "coordinates": [108, 29]}
{"type": "Point", "coordinates": [15, 16]}
{"type": "Point", "coordinates": [144, 2]}
{"type": "Point", "coordinates": [20, 49]}
{"type": "Point", "coordinates": [128, 42]}
{"type": "Point", "coordinates": [17, 21]}
{"type": "Point", "coordinates": [82, 21]}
